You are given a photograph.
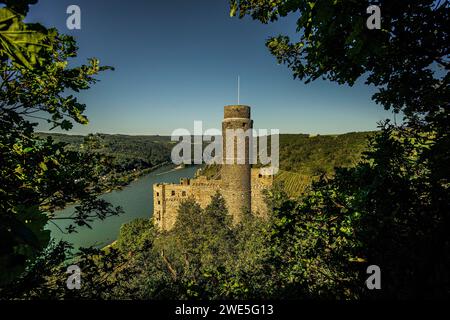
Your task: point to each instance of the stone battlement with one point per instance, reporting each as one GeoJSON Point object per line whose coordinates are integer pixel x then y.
{"type": "Point", "coordinates": [236, 111]}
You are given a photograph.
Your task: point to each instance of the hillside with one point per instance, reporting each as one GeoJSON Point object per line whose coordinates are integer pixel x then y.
{"type": "Point", "coordinates": [132, 156]}
{"type": "Point", "coordinates": [302, 157]}
{"type": "Point", "coordinates": [316, 155]}
{"type": "Point", "coordinates": [130, 152]}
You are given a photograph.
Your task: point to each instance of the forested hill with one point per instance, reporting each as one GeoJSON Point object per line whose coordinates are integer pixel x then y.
{"type": "Point", "coordinates": [315, 155]}
{"type": "Point", "coordinates": [131, 156]}
{"type": "Point", "coordinates": [303, 157]}
{"type": "Point", "coordinates": [300, 153]}
{"type": "Point", "coordinates": [130, 152]}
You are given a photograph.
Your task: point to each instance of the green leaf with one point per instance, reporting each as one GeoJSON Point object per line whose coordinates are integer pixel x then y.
{"type": "Point", "coordinates": [18, 41]}
{"type": "Point", "coordinates": [233, 9]}
{"type": "Point", "coordinates": [43, 166]}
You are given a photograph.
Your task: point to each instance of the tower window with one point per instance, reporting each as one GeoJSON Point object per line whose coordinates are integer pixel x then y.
{"type": "Point", "coordinates": [157, 194]}
{"type": "Point", "coordinates": [159, 202]}
{"type": "Point", "coordinates": [173, 192]}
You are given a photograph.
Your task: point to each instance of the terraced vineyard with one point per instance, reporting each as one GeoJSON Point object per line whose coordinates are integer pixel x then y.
{"type": "Point", "coordinates": [293, 183]}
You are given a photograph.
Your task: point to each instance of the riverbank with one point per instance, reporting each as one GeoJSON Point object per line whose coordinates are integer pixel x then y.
{"type": "Point", "coordinates": [124, 181]}
{"type": "Point", "coordinates": [136, 199]}
{"type": "Point", "coordinates": [129, 177]}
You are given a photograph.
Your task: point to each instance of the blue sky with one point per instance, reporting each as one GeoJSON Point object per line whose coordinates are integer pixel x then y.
{"type": "Point", "coordinates": [178, 61]}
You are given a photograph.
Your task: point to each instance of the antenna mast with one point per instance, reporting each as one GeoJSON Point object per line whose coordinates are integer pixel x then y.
{"type": "Point", "coordinates": [239, 89]}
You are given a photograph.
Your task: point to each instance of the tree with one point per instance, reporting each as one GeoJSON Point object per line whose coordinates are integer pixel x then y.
{"type": "Point", "coordinates": [313, 253]}
{"type": "Point", "coordinates": [407, 59]}
{"type": "Point", "coordinates": [202, 257]}
{"type": "Point", "coordinates": [198, 249]}
{"type": "Point", "coordinates": [392, 209]}
{"type": "Point", "coordinates": [38, 176]}
{"type": "Point", "coordinates": [22, 43]}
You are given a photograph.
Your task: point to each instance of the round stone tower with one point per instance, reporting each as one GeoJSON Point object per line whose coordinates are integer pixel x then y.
{"type": "Point", "coordinates": [236, 169]}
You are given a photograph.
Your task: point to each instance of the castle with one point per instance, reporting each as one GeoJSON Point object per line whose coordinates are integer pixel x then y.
{"type": "Point", "coordinates": [240, 185]}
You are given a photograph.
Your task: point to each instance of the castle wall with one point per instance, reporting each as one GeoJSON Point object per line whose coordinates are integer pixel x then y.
{"type": "Point", "coordinates": [168, 197]}
{"type": "Point", "coordinates": [259, 184]}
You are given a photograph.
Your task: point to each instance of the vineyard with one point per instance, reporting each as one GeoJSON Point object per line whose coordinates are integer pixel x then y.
{"type": "Point", "coordinates": [293, 183]}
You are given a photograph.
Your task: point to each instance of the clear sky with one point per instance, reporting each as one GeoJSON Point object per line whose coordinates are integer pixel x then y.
{"type": "Point", "coordinates": [178, 61]}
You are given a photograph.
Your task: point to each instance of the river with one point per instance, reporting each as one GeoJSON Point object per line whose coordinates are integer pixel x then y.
{"type": "Point", "coordinates": [136, 199]}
